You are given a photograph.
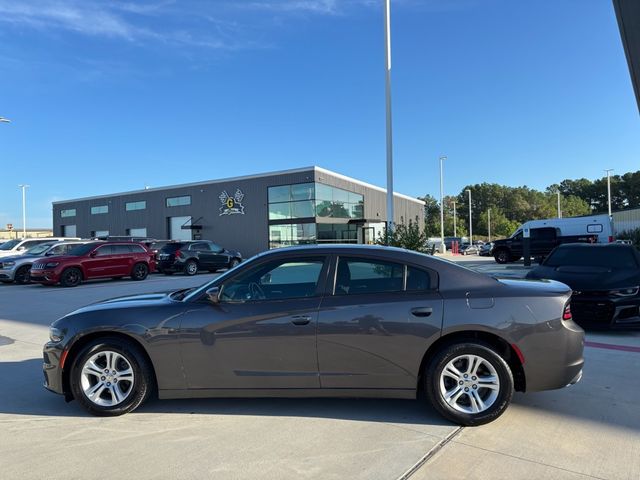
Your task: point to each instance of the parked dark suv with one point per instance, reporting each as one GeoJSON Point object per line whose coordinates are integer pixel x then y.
{"type": "Point", "coordinates": [95, 260]}
{"type": "Point", "coordinates": [189, 257]}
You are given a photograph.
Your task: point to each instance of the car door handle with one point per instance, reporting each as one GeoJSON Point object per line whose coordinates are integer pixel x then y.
{"type": "Point", "coordinates": [421, 311]}
{"type": "Point", "coordinates": [301, 319]}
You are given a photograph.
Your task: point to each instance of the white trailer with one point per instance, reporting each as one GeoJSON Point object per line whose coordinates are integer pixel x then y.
{"type": "Point", "coordinates": [600, 225]}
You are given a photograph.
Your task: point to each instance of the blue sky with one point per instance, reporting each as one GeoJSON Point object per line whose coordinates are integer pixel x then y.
{"type": "Point", "coordinates": [109, 96]}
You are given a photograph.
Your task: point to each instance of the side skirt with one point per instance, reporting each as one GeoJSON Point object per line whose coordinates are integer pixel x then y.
{"type": "Point", "coordinates": [288, 393]}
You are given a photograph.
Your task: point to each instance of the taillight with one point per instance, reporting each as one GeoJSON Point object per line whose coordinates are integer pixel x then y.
{"type": "Point", "coordinates": [566, 314]}
{"type": "Point", "coordinates": [178, 253]}
{"type": "Point", "coordinates": [612, 239]}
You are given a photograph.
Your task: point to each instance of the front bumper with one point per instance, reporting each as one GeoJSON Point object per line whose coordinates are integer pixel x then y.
{"type": "Point", "coordinates": [7, 274]}
{"type": "Point", "coordinates": [606, 311]}
{"type": "Point", "coordinates": [53, 378]}
{"type": "Point", "coordinates": [44, 276]}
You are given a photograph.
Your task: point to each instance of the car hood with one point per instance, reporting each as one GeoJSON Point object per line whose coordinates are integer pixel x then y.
{"type": "Point", "coordinates": [58, 258]}
{"type": "Point", "coordinates": [588, 278]}
{"type": "Point", "coordinates": [9, 253]}
{"type": "Point", "coordinates": [131, 301]}
{"type": "Point", "coordinates": [17, 258]}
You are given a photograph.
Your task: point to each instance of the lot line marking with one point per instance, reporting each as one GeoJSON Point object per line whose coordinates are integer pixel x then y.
{"type": "Point", "coordinates": [610, 346]}
{"type": "Point", "coordinates": [435, 449]}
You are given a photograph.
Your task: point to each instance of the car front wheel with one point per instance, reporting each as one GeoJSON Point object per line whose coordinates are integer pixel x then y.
{"type": "Point", "coordinates": [469, 383]}
{"type": "Point", "coordinates": [140, 271]}
{"type": "Point", "coordinates": [71, 277]}
{"type": "Point", "coordinates": [111, 377]}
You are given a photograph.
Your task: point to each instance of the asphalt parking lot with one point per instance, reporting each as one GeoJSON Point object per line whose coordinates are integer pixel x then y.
{"type": "Point", "coordinates": [590, 430]}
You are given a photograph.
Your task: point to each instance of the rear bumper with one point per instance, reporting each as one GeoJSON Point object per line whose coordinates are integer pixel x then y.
{"type": "Point", "coordinates": [554, 357]}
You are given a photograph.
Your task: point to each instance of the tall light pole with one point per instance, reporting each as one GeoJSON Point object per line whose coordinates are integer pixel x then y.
{"type": "Point", "coordinates": [24, 209]}
{"type": "Point", "coordinates": [454, 219]}
{"type": "Point", "coordinates": [470, 221]}
{"type": "Point", "coordinates": [559, 211]}
{"type": "Point", "coordinates": [442, 159]}
{"type": "Point", "coordinates": [387, 36]}
{"type": "Point", "coordinates": [489, 223]}
{"type": "Point", "coordinates": [609, 170]}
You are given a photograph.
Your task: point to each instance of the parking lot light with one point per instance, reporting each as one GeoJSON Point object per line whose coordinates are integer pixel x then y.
{"type": "Point", "coordinates": [24, 210]}
{"type": "Point", "coordinates": [609, 170]}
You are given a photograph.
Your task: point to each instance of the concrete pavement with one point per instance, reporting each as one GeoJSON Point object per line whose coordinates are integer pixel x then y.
{"type": "Point", "coordinates": [590, 430]}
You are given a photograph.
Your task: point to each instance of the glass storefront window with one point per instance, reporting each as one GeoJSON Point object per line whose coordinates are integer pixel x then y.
{"type": "Point", "coordinates": [302, 191]}
{"type": "Point", "coordinates": [308, 200]}
{"type": "Point", "coordinates": [302, 209]}
{"type": "Point", "coordinates": [280, 194]}
{"type": "Point", "coordinates": [279, 211]}
{"type": "Point", "coordinates": [291, 234]}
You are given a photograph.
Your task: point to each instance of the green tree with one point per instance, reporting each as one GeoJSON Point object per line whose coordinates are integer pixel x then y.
{"type": "Point", "coordinates": [410, 236]}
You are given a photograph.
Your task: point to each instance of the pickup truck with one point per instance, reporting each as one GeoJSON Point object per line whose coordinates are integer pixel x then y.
{"type": "Point", "coordinates": [542, 241]}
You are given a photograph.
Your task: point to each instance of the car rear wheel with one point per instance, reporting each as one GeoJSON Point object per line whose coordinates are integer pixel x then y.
{"type": "Point", "coordinates": [190, 268]}
{"type": "Point", "coordinates": [111, 377]}
{"type": "Point", "coordinates": [502, 256]}
{"type": "Point", "coordinates": [140, 271]}
{"type": "Point", "coordinates": [469, 383]}
{"type": "Point", "coordinates": [71, 277]}
{"type": "Point", "coordinates": [22, 275]}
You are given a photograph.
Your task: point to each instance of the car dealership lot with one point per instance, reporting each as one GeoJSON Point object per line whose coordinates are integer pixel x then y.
{"type": "Point", "coordinates": [591, 430]}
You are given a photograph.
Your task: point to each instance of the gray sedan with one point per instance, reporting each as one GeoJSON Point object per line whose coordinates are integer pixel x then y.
{"type": "Point", "coordinates": [324, 321]}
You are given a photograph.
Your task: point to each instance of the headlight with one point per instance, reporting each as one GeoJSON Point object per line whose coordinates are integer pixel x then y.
{"type": "Point", "coordinates": [625, 292]}
{"type": "Point", "coordinates": [55, 334]}
{"type": "Point", "coordinates": [51, 265]}
{"type": "Point", "coordinates": [8, 264]}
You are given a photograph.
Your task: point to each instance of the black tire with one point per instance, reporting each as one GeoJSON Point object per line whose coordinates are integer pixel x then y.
{"type": "Point", "coordinates": [140, 271]}
{"type": "Point", "coordinates": [138, 390]}
{"type": "Point", "coordinates": [234, 263]}
{"type": "Point", "coordinates": [502, 256]}
{"type": "Point", "coordinates": [71, 277]}
{"type": "Point", "coordinates": [190, 268]}
{"type": "Point", "coordinates": [22, 275]}
{"type": "Point", "coordinates": [433, 376]}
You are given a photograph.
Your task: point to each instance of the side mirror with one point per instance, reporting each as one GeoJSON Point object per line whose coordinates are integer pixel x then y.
{"type": "Point", "coordinates": [213, 295]}
{"type": "Point", "coordinates": [93, 254]}
{"type": "Point", "coordinates": [21, 249]}
{"type": "Point", "coordinates": [265, 279]}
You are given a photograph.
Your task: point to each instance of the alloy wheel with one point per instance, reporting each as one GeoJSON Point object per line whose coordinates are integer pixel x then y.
{"type": "Point", "coordinates": [107, 378]}
{"type": "Point", "coordinates": [469, 384]}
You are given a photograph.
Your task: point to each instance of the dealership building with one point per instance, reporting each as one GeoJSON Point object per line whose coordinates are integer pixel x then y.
{"type": "Point", "coordinates": [250, 214]}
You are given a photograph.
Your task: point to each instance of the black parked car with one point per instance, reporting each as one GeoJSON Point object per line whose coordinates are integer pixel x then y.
{"type": "Point", "coordinates": [605, 280]}
{"type": "Point", "coordinates": [189, 257]}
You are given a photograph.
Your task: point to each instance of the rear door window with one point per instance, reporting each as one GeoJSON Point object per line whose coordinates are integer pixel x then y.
{"type": "Point", "coordinates": [357, 276]}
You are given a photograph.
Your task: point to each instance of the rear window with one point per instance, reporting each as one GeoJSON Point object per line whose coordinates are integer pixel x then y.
{"type": "Point", "coordinates": [592, 257]}
{"type": "Point", "coordinates": [171, 247]}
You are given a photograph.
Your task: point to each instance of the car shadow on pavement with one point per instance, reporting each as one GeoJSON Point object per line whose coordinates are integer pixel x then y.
{"type": "Point", "coordinates": [23, 394]}
{"type": "Point", "coordinates": [355, 409]}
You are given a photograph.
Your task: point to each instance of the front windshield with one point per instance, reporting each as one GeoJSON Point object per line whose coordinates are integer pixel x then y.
{"type": "Point", "coordinates": [39, 249]}
{"type": "Point", "coordinates": [81, 250]}
{"type": "Point", "coordinates": [9, 245]}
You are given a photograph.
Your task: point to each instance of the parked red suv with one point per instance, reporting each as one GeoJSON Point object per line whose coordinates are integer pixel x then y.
{"type": "Point", "coordinates": [95, 260]}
